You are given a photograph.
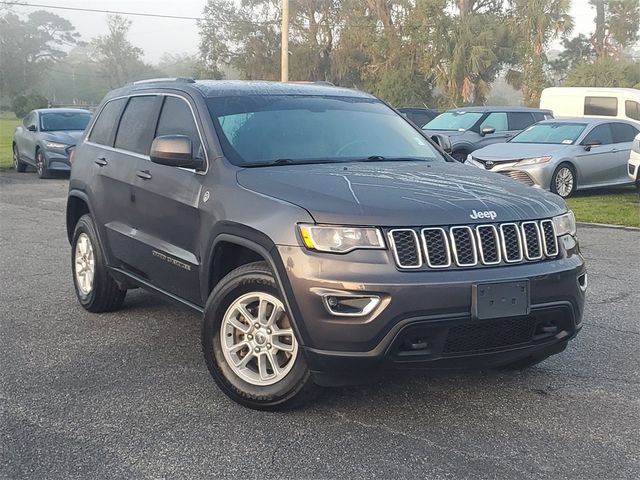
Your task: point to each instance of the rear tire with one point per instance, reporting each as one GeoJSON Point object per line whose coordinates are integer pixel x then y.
{"type": "Point", "coordinates": [563, 181]}
{"type": "Point", "coordinates": [41, 165]}
{"type": "Point", "coordinates": [249, 344]}
{"type": "Point", "coordinates": [18, 164]}
{"type": "Point", "coordinates": [95, 288]}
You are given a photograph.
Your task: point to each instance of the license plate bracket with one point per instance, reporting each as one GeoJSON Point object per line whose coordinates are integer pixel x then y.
{"type": "Point", "coordinates": [499, 300]}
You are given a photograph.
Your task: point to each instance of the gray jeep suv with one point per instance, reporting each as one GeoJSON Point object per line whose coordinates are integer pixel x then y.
{"type": "Point", "coordinates": [321, 235]}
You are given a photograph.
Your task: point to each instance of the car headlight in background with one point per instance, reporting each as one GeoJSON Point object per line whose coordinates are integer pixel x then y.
{"type": "Point", "coordinates": [326, 238]}
{"type": "Point", "coordinates": [565, 224]}
{"type": "Point", "coordinates": [533, 161]}
{"type": "Point", "coordinates": [55, 145]}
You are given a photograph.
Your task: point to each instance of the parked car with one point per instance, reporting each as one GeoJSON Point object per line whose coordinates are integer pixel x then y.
{"type": "Point", "coordinates": [634, 161]}
{"type": "Point", "coordinates": [620, 103]}
{"type": "Point", "coordinates": [321, 235]}
{"type": "Point", "coordinates": [471, 128]}
{"type": "Point", "coordinates": [564, 155]}
{"type": "Point", "coordinates": [419, 116]}
{"type": "Point", "coordinates": [44, 136]}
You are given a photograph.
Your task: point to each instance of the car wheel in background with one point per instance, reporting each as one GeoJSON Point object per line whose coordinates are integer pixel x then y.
{"type": "Point", "coordinates": [249, 345]}
{"type": "Point", "coordinates": [41, 165]}
{"type": "Point", "coordinates": [95, 288]}
{"type": "Point", "coordinates": [18, 164]}
{"type": "Point", "coordinates": [460, 156]}
{"type": "Point", "coordinates": [563, 181]}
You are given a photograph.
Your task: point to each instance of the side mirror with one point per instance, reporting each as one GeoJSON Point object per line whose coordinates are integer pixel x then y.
{"type": "Point", "coordinates": [487, 131]}
{"type": "Point", "coordinates": [31, 128]}
{"type": "Point", "coordinates": [174, 151]}
{"type": "Point", "coordinates": [591, 143]}
{"type": "Point", "coordinates": [443, 141]}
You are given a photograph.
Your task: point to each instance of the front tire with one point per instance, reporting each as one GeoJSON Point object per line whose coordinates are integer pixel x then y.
{"type": "Point", "coordinates": [563, 181]}
{"type": "Point", "coordinates": [18, 164]}
{"type": "Point", "coordinates": [249, 344]}
{"type": "Point", "coordinates": [95, 288]}
{"type": "Point", "coordinates": [41, 165]}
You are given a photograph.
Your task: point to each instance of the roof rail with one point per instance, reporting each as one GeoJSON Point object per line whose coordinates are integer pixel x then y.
{"type": "Point", "coordinates": [169, 79]}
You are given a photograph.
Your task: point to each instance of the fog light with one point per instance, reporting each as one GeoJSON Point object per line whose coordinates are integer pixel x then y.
{"type": "Point", "coordinates": [583, 282]}
{"type": "Point", "coordinates": [350, 305]}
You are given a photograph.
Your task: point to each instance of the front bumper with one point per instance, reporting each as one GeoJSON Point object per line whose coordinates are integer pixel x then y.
{"type": "Point", "coordinates": [532, 175]}
{"type": "Point", "coordinates": [56, 161]}
{"type": "Point", "coordinates": [633, 167]}
{"type": "Point", "coordinates": [434, 306]}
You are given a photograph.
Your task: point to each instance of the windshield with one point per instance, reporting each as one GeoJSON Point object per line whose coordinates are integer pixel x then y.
{"type": "Point", "coordinates": [560, 133]}
{"type": "Point", "coordinates": [257, 130]}
{"type": "Point", "coordinates": [453, 121]}
{"type": "Point", "coordinates": [64, 121]}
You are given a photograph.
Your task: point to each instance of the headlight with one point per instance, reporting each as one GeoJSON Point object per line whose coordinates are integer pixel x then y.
{"type": "Point", "coordinates": [565, 224]}
{"type": "Point", "coordinates": [533, 161]}
{"type": "Point", "coordinates": [55, 145]}
{"type": "Point", "coordinates": [340, 239]}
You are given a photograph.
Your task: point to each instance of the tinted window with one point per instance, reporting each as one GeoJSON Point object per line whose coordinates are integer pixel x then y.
{"type": "Point", "coordinates": [607, 106]}
{"type": "Point", "coordinates": [57, 121]}
{"type": "Point", "coordinates": [602, 134]}
{"type": "Point", "coordinates": [259, 129]}
{"type": "Point", "coordinates": [520, 120]}
{"type": "Point", "coordinates": [176, 119]}
{"type": "Point", "coordinates": [560, 133]}
{"type": "Point", "coordinates": [632, 109]}
{"type": "Point", "coordinates": [105, 126]}
{"type": "Point", "coordinates": [539, 116]}
{"type": "Point", "coordinates": [623, 132]}
{"type": "Point", "coordinates": [497, 120]}
{"type": "Point", "coordinates": [135, 131]}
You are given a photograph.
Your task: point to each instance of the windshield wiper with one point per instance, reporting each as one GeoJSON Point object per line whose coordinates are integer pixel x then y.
{"type": "Point", "coordinates": [286, 161]}
{"type": "Point", "coordinates": [380, 158]}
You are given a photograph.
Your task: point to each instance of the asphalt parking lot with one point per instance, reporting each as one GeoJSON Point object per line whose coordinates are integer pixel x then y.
{"type": "Point", "coordinates": [127, 394]}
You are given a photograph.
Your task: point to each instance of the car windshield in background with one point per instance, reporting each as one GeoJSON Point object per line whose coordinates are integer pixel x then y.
{"type": "Point", "coordinates": [560, 133]}
{"type": "Point", "coordinates": [258, 130]}
{"type": "Point", "coordinates": [453, 121]}
{"type": "Point", "coordinates": [52, 122]}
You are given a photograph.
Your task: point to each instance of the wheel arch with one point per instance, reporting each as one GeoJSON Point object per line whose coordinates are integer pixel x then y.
{"type": "Point", "coordinates": [571, 163]}
{"type": "Point", "coordinates": [77, 205]}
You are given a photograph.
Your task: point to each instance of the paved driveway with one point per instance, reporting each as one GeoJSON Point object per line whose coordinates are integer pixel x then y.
{"type": "Point", "coordinates": [127, 394]}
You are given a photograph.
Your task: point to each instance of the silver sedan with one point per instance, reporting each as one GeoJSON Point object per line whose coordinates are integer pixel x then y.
{"type": "Point", "coordinates": [564, 155]}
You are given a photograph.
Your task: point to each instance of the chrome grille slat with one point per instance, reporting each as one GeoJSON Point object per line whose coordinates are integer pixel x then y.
{"type": "Point", "coordinates": [467, 246]}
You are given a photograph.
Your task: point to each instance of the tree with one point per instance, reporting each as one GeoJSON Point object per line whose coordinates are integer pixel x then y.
{"type": "Point", "coordinates": [576, 50]}
{"type": "Point", "coordinates": [118, 59]}
{"type": "Point", "coordinates": [178, 65]}
{"type": "Point", "coordinates": [29, 47]}
{"type": "Point", "coordinates": [604, 72]}
{"type": "Point", "coordinates": [536, 23]}
{"type": "Point", "coordinates": [617, 26]}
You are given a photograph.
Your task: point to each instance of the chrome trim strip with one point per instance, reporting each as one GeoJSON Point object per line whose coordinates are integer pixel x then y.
{"type": "Point", "coordinates": [374, 301]}
{"type": "Point", "coordinates": [526, 243]}
{"type": "Point", "coordinates": [455, 248]}
{"type": "Point", "coordinates": [445, 241]}
{"type": "Point", "coordinates": [504, 243]}
{"type": "Point", "coordinates": [481, 247]}
{"type": "Point", "coordinates": [547, 251]}
{"type": "Point", "coordinates": [392, 243]}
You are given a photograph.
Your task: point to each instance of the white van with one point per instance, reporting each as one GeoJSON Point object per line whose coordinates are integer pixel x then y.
{"type": "Point", "coordinates": [592, 102]}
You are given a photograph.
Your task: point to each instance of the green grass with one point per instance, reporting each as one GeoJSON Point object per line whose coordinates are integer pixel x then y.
{"type": "Point", "coordinates": [620, 206]}
{"type": "Point", "coordinates": [8, 124]}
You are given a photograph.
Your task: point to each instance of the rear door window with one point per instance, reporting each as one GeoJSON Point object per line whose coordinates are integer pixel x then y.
{"type": "Point", "coordinates": [520, 120]}
{"type": "Point", "coordinates": [104, 128]}
{"type": "Point", "coordinates": [601, 133]}
{"type": "Point", "coordinates": [605, 106]}
{"type": "Point", "coordinates": [176, 119]}
{"type": "Point", "coordinates": [632, 109]}
{"type": "Point", "coordinates": [623, 132]}
{"type": "Point", "coordinates": [135, 132]}
{"type": "Point", "coordinates": [497, 120]}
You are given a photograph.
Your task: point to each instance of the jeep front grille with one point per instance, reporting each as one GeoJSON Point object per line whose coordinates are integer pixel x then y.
{"type": "Point", "coordinates": [470, 246]}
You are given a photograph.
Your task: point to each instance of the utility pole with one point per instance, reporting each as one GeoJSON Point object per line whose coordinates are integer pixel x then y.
{"type": "Point", "coordinates": [284, 57]}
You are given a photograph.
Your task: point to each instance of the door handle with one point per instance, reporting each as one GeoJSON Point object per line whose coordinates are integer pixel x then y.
{"type": "Point", "coordinates": [614, 150]}
{"type": "Point", "coordinates": [101, 161]}
{"type": "Point", "coordinates": [144, 174]}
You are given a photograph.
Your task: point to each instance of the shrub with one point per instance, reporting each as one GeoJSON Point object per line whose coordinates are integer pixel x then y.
{"type": "Point", "coordinates": [23, 104]}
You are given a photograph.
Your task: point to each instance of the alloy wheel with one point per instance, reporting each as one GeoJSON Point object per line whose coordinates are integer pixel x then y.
{"type": "Point", "coordinates": [257, 339]}
{"type": "Point", "coordinates": [15, 157]}
{"type": "Point", "coordinates": [40, 163]}
{"type": "Point", "coordinates": [564, 182]}
{"type": "Point", "coordinates": [84, 264]}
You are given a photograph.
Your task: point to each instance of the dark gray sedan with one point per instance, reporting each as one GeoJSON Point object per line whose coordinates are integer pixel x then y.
{"type": "Point", "coordinates": [44, 137]}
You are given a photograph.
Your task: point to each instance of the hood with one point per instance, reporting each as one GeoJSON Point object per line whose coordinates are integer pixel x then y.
{"type": "Point", "coordinates": [400, 193]}
{"type": "Point", "coordinates": [504, 152]}
{"type": "Point", "coordinates": [68, 137]}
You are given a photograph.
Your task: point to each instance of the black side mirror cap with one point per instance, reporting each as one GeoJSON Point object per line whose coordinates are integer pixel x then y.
{"type": "Point", "coordinates": [443, 141]}
{"type": "Point", "coordinates": [487, 131]}
{"type": "Point", "coordinates": [174, 151]}
{"type": "Point", "coordinates": [32, 128]}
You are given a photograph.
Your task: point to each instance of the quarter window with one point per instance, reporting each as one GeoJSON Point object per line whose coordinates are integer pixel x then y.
{"type": "Point", "coordinates": [135, 131]}
{"type": "Point", "coordinates": [623, 132]}
{"type": "Point", "coordinates": [497, 120]}
{"type": "Point", "coordinates": [176, 119]}
{"type": "Point", "coordinates": [632, 109]}
{"type": "Point", "coordinates": [105, 126]}
{"type": "Point", "coordinates": [605, 106]}
{"type": "Point", "coordinates": [601, 133]}
{"type": "Point", "coordinates": [520, 120]}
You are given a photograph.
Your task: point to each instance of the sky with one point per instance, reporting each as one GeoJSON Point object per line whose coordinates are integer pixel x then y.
{"type": "Point", "coordinates": [157, 36]}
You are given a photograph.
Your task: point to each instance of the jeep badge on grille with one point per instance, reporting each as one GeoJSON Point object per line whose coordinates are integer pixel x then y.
{"type": "Point", "coordinates": [486, 214]}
